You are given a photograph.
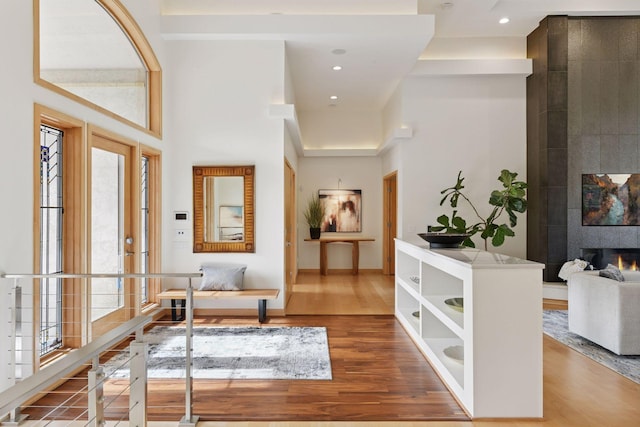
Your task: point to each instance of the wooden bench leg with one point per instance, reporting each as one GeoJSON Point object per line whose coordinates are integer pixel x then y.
{"type": "Point", "coordinates": [262, 310]}
{"type": "Point", "coordinates": [174, 314]}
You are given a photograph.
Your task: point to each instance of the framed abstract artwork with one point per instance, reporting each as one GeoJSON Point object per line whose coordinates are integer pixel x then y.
{"type": "Point", "coordinates": [342, 210]}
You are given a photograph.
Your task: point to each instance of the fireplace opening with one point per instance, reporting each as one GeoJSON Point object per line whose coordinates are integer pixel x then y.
{"type": "Point", "coordinates": [624, 259]}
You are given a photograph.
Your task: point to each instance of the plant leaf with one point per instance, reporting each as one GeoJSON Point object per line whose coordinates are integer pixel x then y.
{"type": "Point", "coordinates": [444, 220]}
{"type": "Point", "coordinates": [468, 243]}
{"type": "Point", "coordinates": [459, 224]}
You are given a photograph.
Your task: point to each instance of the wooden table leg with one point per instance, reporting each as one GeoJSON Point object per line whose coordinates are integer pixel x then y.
{"type": "Point", "coordinates": [355, 257]}
{"type": "Point", "coordinates": [323, 258]}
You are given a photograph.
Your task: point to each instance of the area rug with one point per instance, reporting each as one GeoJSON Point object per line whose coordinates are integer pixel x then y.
{"type": "Point", "coordinates": [234, 353]}
{"type": "Point", "coordinates": [555, 324]}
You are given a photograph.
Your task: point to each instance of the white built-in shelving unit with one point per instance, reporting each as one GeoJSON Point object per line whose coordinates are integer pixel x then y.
{"type": "Point", "coordinates": [499, 331]}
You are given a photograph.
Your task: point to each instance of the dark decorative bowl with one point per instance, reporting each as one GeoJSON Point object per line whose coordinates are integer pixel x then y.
{"type": "Point", "coordinates": [444, 240]}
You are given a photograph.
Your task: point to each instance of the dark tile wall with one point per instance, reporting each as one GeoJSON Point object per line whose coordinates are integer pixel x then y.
{"type": "Point", "coordinates": [547, 156]}
{"type": "Point", "coordinates": [583, 116]}
{"type": "Point", "coordinates": [604, 118]}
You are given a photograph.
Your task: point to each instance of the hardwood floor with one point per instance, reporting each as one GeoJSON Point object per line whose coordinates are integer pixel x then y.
{"type": "Point", "coordinates": [365, 293]}
{"type": "Point", "coordinates": [380, 375]}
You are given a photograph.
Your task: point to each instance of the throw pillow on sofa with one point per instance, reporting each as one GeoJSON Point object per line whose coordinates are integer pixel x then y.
{"type": "Point", "coordinates": [612, 272]}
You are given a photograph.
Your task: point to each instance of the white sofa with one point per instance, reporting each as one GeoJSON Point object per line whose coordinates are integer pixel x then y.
{"type": "Point", "coordinates": [606, 311]}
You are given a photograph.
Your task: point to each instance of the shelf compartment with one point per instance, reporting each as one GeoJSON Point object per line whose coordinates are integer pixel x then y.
{"type": "Point", "coordinates": [408, 270]}
{"type": "Point", "coordinates": [406, 305]}
{"type": "Point", "coordinates": [453, 319]}
{"type": "Point", "coordinates": [410, 283]}
{"type": "Point", "coordinates": [436, 347]}
{"type": "Point", "coordinates": [438, 282]}
{"type": "Point", "coordinates": [433, 327]}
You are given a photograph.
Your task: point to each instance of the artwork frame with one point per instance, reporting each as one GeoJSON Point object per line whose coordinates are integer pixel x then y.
{"type": "Point", "coordinates": [231, 216]}
{"type": "Point", "coordinates": [610, 199]}
{"type": "Point", "coordinates": [231, 223]}
{"type": "Point", "coordinates": [343, 210]}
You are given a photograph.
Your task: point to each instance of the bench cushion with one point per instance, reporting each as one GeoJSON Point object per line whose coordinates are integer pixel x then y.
{"type": "Point", "coordinates": [222, 277]}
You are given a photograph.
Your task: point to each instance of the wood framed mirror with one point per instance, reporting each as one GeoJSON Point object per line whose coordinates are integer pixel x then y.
{"type": "Point", "coordinates": [223, 208]}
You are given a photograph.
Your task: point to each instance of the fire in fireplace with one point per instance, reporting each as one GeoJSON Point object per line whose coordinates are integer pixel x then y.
{"type": "Point", "coordinates": [623, 258]}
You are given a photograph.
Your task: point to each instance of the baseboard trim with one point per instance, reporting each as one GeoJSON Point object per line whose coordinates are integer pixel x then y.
{"type": "Point", "coordinates": [341, 271]}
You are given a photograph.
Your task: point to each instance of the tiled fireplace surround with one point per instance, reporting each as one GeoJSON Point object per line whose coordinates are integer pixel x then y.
{"type": "Point", "coordinates": [583, 116]}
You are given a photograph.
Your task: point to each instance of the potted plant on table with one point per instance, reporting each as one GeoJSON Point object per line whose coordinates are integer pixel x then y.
{"type": "Point", "coordinates": [314, 214]}
{"type": "Point", "coordinates": [510, 199]}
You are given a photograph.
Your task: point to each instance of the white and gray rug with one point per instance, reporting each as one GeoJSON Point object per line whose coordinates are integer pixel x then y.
{"type": "Point", "coordinates": [234, 353]}
{"type": "Point", "coordinates": [555, 324]}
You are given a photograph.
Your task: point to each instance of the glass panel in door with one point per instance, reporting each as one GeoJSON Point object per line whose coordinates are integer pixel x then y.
{"type": "Point", "coordinates": [112, 244]}
{"type": "Point", "coordinates": [107, 217]}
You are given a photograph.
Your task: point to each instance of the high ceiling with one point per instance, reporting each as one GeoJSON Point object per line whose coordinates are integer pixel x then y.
{"type": "Point", "coordinates": [382, 38]}
{"type": "Point", "coordinates": [376, 42]}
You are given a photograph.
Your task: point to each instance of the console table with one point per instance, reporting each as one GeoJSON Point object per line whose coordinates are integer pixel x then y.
{"type": "Point", "coordinates": [355, 250]}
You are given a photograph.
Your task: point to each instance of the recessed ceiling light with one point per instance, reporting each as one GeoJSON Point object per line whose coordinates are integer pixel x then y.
{"type": "Point", "coordinates": [338, 51]}
{"type": "Point", "coordinates": [337, 68]}
{"type": "Point", "coordinates": [334, 97]}
{"type": "Point", "coordinates": [503, 20]}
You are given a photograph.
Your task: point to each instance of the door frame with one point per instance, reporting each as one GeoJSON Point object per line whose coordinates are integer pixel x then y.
{"type": "Point", "coordinates": [103, 139]}
{"type": "Point", "coordinates": [290, 234]}
{"type": "Point", "coordinates": [389, 222]}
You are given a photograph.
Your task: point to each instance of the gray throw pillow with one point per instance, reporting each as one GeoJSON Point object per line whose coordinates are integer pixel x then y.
{"type": "Point", "coordinates": [612, 272]}
{"type": "Point", "coordinates": [222, 277]}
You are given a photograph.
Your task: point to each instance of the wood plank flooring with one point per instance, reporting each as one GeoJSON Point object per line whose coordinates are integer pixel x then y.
{"type": "Point", "coordinates": [381, 378]}
{"type": "Point", "coordinates": [365, 293]}
{"type": "Point", "coordinates": [378, 374]}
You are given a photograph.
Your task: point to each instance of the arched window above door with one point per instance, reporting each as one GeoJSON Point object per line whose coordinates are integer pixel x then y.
{"type": "Point", "coordinates": [95, 53]}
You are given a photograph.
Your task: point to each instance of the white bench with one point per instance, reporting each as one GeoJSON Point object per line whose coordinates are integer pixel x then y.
{"type": "Point", "coordinates": [606, 311]}
{"type": "Point", "coordinates": [180, 295]}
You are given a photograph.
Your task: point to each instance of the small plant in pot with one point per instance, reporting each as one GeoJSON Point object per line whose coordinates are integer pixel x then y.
{"type": "Point", "coordinates": [511, 198]}
{"type": "Point", "coordinates": [314, 214]}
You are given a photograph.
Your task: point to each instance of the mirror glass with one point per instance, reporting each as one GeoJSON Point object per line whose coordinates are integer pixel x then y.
{"type": "Point", "coordinates": [223, 208]}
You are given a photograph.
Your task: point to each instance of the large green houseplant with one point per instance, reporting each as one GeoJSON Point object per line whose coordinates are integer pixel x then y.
{"type": "Point", "coordinates": [314, 215]}
{"type": "Point", "coordinates": [510, 199]}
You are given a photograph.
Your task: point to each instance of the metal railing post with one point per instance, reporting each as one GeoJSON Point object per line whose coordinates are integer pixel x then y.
{"type": "Point", "coordinates": [24, 387]}
{"type": "Point", "coordinates": [138, 384]}
{"type": "Point", "coordinates": [15, 416]}
{"type": "Point", "coordinates": [189, 420]}
{"type": "Point", "coordinates": [95, 395]}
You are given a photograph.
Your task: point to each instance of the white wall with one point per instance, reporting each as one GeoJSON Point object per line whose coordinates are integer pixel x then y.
{"type": "Point", "coordinates": [217, 104]}
{"type": "Point", "coordinates": [476, 124]}
{"type": "Point", "coordinates": [19, 94]}
{"type": "Point", "coordinates": [364, 173]}
{"type": "Point", "coordinates": [475, 48]}
{"type": "Point", "coordinates": [392, 114]}
{"type": "Point", "coordinates": [335, 128]}
{"type": "Point", "coordinates": [16, 164]}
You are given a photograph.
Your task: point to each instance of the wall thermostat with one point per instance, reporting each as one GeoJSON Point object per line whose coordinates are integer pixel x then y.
{"type": "Point", "coordinates": [181, 216]}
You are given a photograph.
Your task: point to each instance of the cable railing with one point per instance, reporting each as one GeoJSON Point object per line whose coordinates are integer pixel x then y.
{"type": "Point", "coordinates": [87, 404]}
